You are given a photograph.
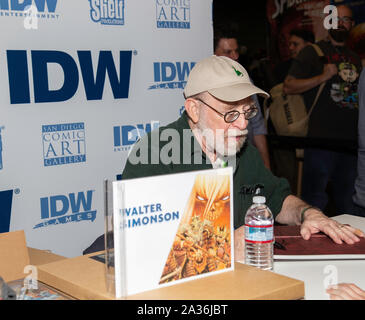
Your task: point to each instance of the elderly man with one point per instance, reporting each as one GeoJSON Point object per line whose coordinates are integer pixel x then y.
{"type": "Point", "coordinates": [218, 107]}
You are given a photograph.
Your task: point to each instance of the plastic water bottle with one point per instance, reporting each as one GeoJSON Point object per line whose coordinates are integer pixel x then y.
{"type": "Point", "coordinates": [259, 235]}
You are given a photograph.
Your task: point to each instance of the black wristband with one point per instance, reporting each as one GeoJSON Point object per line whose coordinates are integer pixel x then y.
{"type": "Point", "coordinates": [304, 210]}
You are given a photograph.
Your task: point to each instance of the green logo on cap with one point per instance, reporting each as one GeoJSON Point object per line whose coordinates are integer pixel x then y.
{"type": "Point", "coordinates": [238, 73]}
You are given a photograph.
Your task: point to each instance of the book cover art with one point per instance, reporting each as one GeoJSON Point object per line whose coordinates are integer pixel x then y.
{"type": "Point", "coordinates": [172, 228]}
{"type": "Point", "coordinates": [202, 243]}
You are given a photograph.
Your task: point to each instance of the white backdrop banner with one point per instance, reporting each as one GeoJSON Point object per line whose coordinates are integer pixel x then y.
{"type": "Point", "coordinates": [80, 81]}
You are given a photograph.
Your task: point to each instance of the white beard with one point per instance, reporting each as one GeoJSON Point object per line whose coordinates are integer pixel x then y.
{"type": "Point", "coordinates": [224, 144]}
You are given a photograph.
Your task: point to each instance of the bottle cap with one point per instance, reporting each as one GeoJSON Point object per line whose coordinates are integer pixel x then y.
{"type": "Point", "coordinates": [259, 199]}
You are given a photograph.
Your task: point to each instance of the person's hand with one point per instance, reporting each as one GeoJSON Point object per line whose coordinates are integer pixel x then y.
{"type": "Point", "coordinates": [345, 291]}
{"type": "Point", "coordinates": [315, 221]}
{"type": "Point", "coordinates": [239, 244]}
{"type": "Point", "coordinates": [329, 70]}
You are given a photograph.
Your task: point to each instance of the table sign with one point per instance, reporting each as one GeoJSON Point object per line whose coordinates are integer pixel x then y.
{"type": "Point", "coordinates": [172, 228]}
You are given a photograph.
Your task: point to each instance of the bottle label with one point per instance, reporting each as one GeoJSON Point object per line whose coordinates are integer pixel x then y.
{"type": "Point", "coordinates": [259, 234]}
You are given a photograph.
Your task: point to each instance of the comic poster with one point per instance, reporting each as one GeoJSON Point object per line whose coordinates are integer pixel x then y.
{"type": "Point", "coordinates": [283, 16]}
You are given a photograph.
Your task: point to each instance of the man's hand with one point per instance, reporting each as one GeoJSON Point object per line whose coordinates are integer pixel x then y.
{"type": "Point", "coordinates": [315, 221]}
{"type": "Point", "coordinates": [239, 244]}
{"type": "Point", "coordinates": [345, 291]}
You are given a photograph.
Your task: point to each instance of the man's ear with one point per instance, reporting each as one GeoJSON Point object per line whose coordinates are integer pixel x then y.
{"type": "Point", "coordinates": [192, 108]}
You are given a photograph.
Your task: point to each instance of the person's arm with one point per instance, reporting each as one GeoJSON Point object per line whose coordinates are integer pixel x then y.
{"type": "Point", "coordinates": [293, 85]}
{"type": "Point", "coordinates": [259, 132]}
{"type": "Point", "coordinates": [345, 291]}
{"type": "Point", "coordinates": [315, 221]}
{"type": "Point", "coordinates": [304, 73]}
{"type": "Point", "coordinates": [261, 145]}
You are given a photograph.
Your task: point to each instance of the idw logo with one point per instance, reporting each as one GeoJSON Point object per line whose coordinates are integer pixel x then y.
{"type": "Point", "coordinates": [63, 143]}
{"type": "Point", "coordinates": [30, 10]}
{"type": "Point", "coordinates": [62, 62]}
{"type": "Point", "coordinates": [171, 75]}
{"type": "Point", "coordinates": [21, 5]}
{"type": "Point", "coordinates": [109, 12]}
{"type": "Point", "coordinates": [6, 199]}
{"type": "Point", "coordinates": [1, 149]}
{"type": "Point", "coordinates": [126, 136]}
{"type": "Point", "coordinates": [173, 14]}
{"type": "Point", "coordinates": [61, 209]}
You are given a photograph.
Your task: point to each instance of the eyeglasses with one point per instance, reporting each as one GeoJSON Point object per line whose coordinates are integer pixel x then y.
{"type": "Point", "coordinates": [233, 115]}
{"type": "Point", "coordinates": [345, 19]}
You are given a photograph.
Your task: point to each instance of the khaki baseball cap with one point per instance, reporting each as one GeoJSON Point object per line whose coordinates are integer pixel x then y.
{"type": "Point", "coordinates": [223, 78]}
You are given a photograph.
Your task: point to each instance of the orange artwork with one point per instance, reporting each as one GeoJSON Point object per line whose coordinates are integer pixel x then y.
{"type": "Point", "coordinates": [202, 243]}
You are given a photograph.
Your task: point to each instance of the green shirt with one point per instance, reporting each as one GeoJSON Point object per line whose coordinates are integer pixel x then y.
{"type": "Point", "coordinates": [144, 160]}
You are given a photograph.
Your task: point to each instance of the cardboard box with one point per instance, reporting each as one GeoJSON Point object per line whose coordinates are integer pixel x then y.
{"type": "Point", "coordinates": [38, 257]}
{"type": "Point", "coordinates": [244, 283]}
{"type": "Point", "coordinates": [84, 278]}
{"type": "Point", "coordinates": [15, 256]}
{"type": "Point", "coordinates": [80, 277]}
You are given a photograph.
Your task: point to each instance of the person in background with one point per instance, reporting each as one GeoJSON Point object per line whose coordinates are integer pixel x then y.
{"type": "Point", "coordinates": [226, 44]}
{"type": "Point", "coordinates": [298, 40]}
{"type": "Point", "coordinates": [334, 118]}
